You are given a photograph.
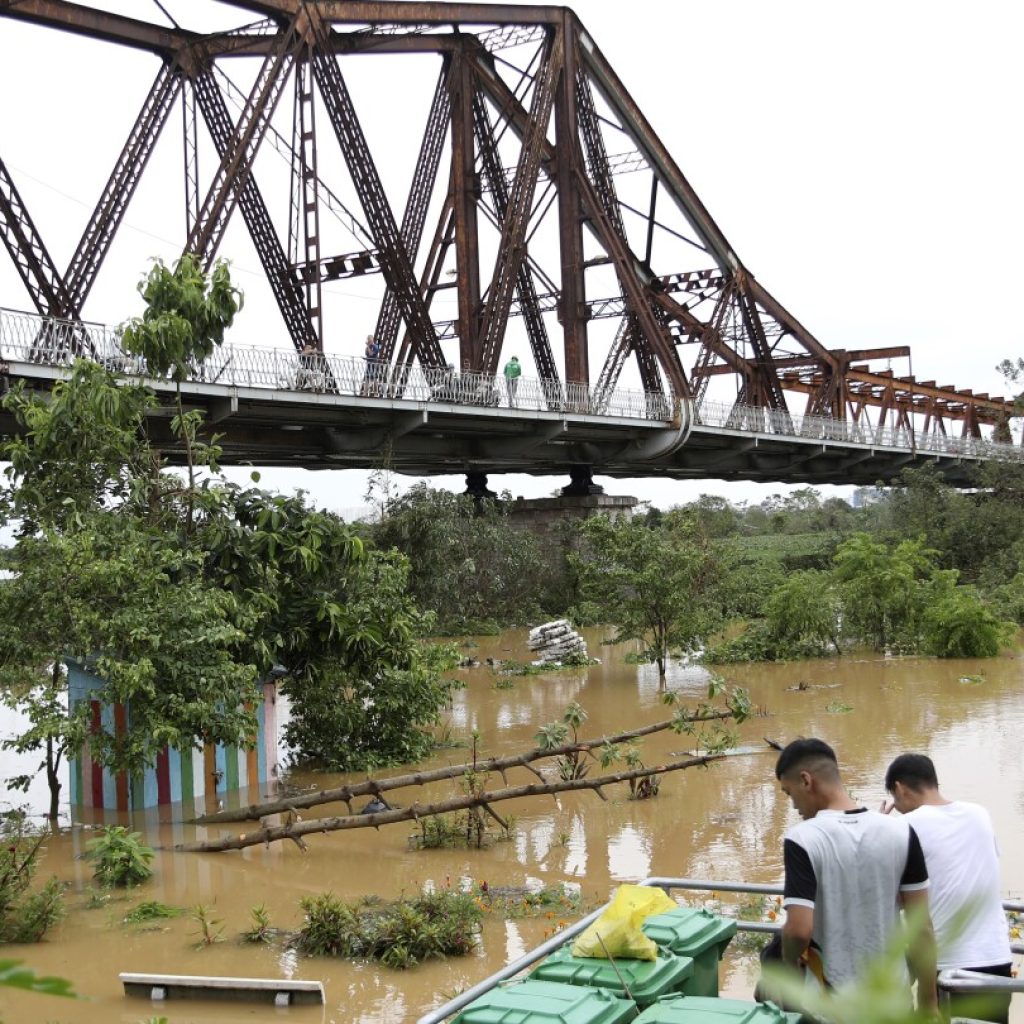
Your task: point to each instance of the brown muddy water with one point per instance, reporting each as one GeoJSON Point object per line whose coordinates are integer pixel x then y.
{"type": "Point", "coordinates": [723, 822]}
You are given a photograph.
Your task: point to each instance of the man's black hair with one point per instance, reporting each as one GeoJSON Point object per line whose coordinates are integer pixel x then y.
{"type": "Point", "coordinates": [916, 771]}
{"type": "Point", "coordinates": [799, 751]}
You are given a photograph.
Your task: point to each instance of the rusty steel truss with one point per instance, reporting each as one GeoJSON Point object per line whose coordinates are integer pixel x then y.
{"type": "Point", "coordinates": [540, 198]}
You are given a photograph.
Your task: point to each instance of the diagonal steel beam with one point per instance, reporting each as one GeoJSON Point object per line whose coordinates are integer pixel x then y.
{"type": "Point", "coordinates": [511, 247]}
{"type": "Point", "coordinates": [86, 21]}
{"type": "Point", "coordinates": [414, 218]}
{"type": "Point", "coordinates": [236, 162]}
{"type": "Point", "coordinates": [268, 245]}
{"type": "Point", "coordinates": [394, 257]}
{"type": "Point", "coordinates": [529, 305]}
{"type": "Point", "coordinates": [604, 186]}
{"type": "Point", "coordinates": [117, 193]}
{"type": "Point", "coordinates": [658, 157]}
{"type": "Point", "coordinates": [28, 251]}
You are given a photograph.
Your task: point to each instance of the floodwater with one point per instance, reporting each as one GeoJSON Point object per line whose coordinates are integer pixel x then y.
{"type": "Point", "coordinates": [722, 822]}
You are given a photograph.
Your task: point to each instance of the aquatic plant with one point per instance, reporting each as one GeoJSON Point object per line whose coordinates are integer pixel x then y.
{"type": "Point", "coordinates": [119, 856]}
{"type": "Point", "coordinates": [211, 929]}
{"type": "Point", "coordinates": [151, 910]}
{"type": "Point", "coordinates": [260, 930]}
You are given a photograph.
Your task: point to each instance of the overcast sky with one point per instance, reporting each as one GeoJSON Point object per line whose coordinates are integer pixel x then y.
{"type": "Point", "coordinates": [864, 161]}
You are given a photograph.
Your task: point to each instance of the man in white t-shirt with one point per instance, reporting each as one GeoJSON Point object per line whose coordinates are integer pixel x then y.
{"type": "Point", "coordinates": [963, 866]}
{"type": "Point", "coordinates": [848, 873]}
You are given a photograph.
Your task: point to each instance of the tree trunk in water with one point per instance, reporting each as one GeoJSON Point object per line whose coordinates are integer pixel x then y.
{"type": "Point", "coordinates": [373, 787]}
{"type": "Point", "coordinates": [295, 829]}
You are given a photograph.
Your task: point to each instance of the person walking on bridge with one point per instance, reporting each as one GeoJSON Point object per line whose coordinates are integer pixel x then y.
{"type": "Point", "coordinates": [963, 865]}
{"type": "Point", "coordinates": [848, 872]}
{"type": "Point", "coordinates": [512, 372]}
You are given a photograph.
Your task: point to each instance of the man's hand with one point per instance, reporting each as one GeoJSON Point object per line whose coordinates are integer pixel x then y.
{"type": "Point", "coordinates": [887, 807]}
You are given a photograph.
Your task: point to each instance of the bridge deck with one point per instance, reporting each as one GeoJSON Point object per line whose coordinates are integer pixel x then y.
{"type": "Point", "coordinates": [275, 408]}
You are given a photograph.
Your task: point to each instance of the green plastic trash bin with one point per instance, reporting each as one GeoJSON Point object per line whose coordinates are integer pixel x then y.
{"type": "Point", "coordinates": [680, 1009]}
{"type": "Point", "coordinates": [646, 980]}
{"type": "Point", "coordinates": [695, 933]}
{"type": "Point", "coordinates": [544, 1002]}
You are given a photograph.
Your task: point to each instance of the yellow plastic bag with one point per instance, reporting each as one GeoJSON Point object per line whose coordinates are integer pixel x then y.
{"type": "Point", "coordinates": [618, 928]}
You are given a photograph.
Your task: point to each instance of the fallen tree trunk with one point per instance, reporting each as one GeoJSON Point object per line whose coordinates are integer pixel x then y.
{"type": "Point", "coordinates": [375, 787]}
{"type": "Point", "coordinates": [296, 829]}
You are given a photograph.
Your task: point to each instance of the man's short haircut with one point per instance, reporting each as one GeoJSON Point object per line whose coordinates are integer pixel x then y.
{"type": "Point", "coordinates": [807, 755]}
{"type": "Point", "coordinates": [915, 771]}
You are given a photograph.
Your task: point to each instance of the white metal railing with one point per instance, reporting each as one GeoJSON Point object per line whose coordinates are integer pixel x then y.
{"type": "Point", "coordinates": [949, 981]}
{"type": "Point", "coordinates": [27, 337]}
{"type": "Point", "coordinates": [30, 338]}
{"type": "Point", "coordinates": [754, 419]}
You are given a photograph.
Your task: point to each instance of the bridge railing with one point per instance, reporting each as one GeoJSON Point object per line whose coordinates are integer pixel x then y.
{"type": "Point", "coordinates": [754, 419]}
{"type": "Point", "coordinates": [27, 337]}
{"type": "Point", "coordinates": [46, 341]}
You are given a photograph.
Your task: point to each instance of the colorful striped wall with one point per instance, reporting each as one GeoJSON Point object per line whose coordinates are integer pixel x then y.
{"type": "Point", "coordinates": [202, 775]}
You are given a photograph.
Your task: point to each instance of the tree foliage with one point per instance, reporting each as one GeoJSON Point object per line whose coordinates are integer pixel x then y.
{"type": "Point", "coordinates": [468, 563]}
{"type": "Point", "coordinates": [181, 596]}
{"type": "Point", "coordinates": [659, 585]}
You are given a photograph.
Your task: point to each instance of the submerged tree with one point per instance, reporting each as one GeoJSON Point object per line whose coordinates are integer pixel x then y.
{"type": "Point", "coordinates": [659, 585]}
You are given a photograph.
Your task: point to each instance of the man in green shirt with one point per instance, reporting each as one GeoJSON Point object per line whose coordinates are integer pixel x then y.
{"type": "Point", "coordinates": [512, 373]}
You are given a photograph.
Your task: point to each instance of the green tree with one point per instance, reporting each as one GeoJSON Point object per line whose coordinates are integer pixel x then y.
{"type": "Point", "coordinates": [660, 586]}
{"type": "Point", "coordinates": [187, 312]}
{"type": "Point", "coordinates": [469, 564]}
{"type": "Point", "coordinates": [180, 597]}
{"type": "Point", "coordinates": [804, 609]}
{"type": "Point", "coordinates": [958, 624]}
{"type": "Point", "coordinates": [370, 697]}
{"type": "Point", "coordinates": [881, 589]}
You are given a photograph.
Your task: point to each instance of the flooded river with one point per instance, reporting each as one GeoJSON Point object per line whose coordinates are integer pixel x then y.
{"type": "Point", "coordinates": [723, 822]}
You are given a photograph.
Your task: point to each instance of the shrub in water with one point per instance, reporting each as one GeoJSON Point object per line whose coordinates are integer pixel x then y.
{"type": "Point", "coordinates": [400, 934]}
{"type": "Point", "coordinates": [24, 916]}
{"type": "Point", "coordinates": [120, 857]}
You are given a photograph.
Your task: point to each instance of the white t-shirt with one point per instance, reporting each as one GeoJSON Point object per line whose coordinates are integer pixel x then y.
{"type": "Point", "coordinates": [964, 899]}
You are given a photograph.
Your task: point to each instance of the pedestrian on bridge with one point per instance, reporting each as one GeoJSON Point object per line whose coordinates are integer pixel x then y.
{"type": "Point", "coordinates": [512, 372]}
{"type": "Point", "coordinates": [371, 379]}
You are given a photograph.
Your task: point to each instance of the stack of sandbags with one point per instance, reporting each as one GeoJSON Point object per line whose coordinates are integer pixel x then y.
{"type": "Point", "coordinates": [555, 641]}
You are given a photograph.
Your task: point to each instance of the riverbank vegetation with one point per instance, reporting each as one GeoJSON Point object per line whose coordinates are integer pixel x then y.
{"type": "Point", "coordinates": [917, 568]}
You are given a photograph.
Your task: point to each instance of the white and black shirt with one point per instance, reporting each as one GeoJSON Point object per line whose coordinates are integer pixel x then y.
{"type": "Point", "coordinates": [849, 867]}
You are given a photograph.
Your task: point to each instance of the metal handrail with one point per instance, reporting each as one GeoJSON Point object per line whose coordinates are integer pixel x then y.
{"type": "Point", "coordinates": [459, 1002]}
{"type": "Point", "coordinates": [48, 341]}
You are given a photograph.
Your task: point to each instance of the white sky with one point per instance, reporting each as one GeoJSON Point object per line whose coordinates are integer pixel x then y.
{"type": "Point", "coordinates": [864, 161]}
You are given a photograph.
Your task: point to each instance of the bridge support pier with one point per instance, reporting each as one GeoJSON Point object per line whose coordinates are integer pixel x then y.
{"type": "Point", "coordinates": [581, 482]}
{"type": "Point", "coordinates": [476, 485]}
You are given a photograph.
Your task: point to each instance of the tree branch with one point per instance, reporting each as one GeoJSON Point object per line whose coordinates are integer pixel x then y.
{"type": "Point", "coordinates": [294, 830]}
{"type": "Point", "coordinates": [375, 787]}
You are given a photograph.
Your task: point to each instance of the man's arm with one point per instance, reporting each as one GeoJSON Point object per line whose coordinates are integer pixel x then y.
{"type": "Point", "coordinates": [921, 955]}
{"type": "Point", "coordinates": [921, 951]}
{"type": "Point", "coordinates": [796, 932]}
{"type": "Point", "coordinates": [801, 891]}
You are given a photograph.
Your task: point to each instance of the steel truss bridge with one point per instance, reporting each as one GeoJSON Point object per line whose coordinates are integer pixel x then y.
{"type": "Point", "coordinates": [541, 204]}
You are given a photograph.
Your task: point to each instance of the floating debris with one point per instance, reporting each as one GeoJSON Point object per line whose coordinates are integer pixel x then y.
{"type": "Point", "coordinates": [556, 641]}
